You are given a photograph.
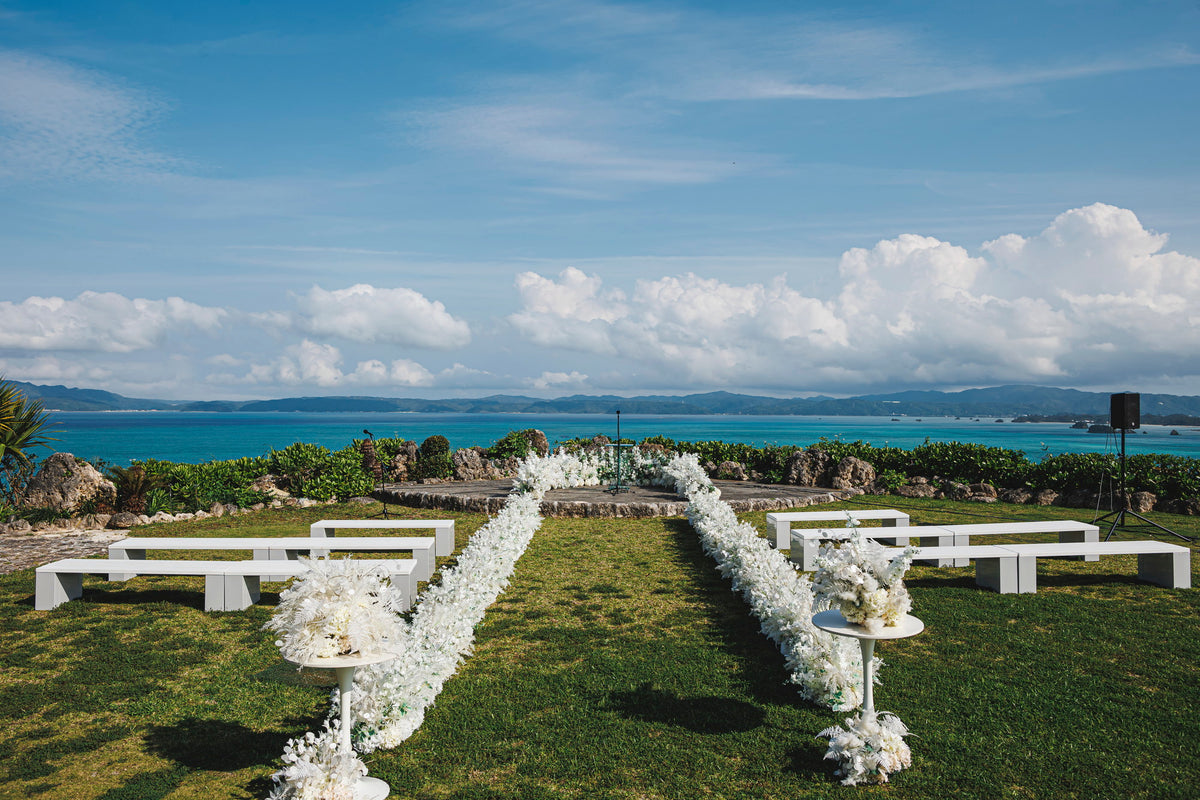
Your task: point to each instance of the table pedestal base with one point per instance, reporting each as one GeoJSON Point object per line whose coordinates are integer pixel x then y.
{"type": "Point", "coordinates": [371, 789]}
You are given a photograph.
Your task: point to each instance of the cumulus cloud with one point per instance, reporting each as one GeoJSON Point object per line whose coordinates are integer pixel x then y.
{"type": "Point", "coordinates": [1091, 296]}
{"type": "Point", "coordinates": [364, 313]}
{"type": "Point", "coordinates": [100, 321]}
{"type": "Point", "coordinates": [558, 380]}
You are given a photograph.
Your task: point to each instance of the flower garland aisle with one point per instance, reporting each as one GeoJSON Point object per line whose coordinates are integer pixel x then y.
{"type": "Point", "coordinates": [827, 669]}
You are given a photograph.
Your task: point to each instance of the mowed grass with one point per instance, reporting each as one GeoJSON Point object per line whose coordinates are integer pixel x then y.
{"type": "Point", "coordinates": [618, 664]}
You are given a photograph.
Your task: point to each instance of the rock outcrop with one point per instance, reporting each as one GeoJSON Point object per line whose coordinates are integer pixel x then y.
{"type": "Point", "coordinates": [64, 483]}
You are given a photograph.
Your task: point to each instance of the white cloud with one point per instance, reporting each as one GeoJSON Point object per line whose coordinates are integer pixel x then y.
{"type": "Point", "coordinates": [100, 321]}
{"type": "Point", "coordinates": [60, 120]}
{"type": "Point", "coordinates": [363, 313]}
{"type": "Point", "coordinates": [557, 380]}
{"type": "Point", "coordinates": [1091, 294]}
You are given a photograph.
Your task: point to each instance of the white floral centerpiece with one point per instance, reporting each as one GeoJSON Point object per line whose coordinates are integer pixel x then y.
{"type": "Point", "coordinates": [870, 747]}
{"type": "Point", "coordinates": [862, 581]}
{"type": "Point", "coordinates": [338, 607]}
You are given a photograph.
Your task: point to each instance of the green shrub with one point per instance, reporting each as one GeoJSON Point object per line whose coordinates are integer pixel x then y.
{"type": "Point", "coordinates": [514, 444]}
{"type": "Point", "coordinates": [433, 458]}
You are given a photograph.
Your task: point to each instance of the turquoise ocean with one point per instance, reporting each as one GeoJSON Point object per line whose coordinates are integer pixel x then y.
{"type": "Point", "coordinates": [120, 437]}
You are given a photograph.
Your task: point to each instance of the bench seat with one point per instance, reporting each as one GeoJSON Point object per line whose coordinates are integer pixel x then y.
{"type": "Point", "coordinates": [1161, 563]}
{"type": "Point", "coordinates": [443, 529]}
{"type": "Point", "coordinates": [781, 521]}
{"type": "Point", "coordinates": [228, 585]}
{"type": "Point", "coordinates": [280, 548]}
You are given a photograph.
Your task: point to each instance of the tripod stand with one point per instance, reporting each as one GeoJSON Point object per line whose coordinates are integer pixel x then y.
{"type": "Point", "coordinates": [1118, 516]}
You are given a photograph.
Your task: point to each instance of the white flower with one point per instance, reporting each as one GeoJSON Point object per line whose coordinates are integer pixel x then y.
{"type": "Point", "coordinates": [870, 748]}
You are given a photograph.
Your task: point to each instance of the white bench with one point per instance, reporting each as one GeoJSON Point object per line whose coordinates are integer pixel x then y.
{"type": "Point", "coordinates": [283, 549]}
{"type": "Point", "coordinates": [1068, 530]}
{"type": "Point", "coordinates": [228, 585]}
{"type": "Point", "coordinates": [443, 529]}
{"type": "Point", "coordinates": [996, 566]}
{"type": "Point", "coordinates": [782, 521]}
{"type": "Point", "coordinates": [806, 542]}
{"type": "Point", "coordinates": [1161, 563]}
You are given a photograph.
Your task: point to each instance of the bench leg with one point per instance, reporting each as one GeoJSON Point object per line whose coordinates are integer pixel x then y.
{"type": "Point", "coordinates": [132, 554]}
{"type": "Point", "coordinates": [230, 592]}
{"type": "Point", "coordinates": [424, 559]}
{"type": "Point", "coordinates": [1078, 537]}
{"type": "Point", "coordinates": [52, 589]}
{"type": "Point", "coordinates": [277, 555]}
{"type": "Point", "coordinates": [443, 538]}
{"type": "Point", "coordinates": [998, 574]}
{"type": "Point", "coordinates": [892, 541]}
{"type": "Point", "coordinates": [938, 541]}
{"type": "Point", "coordinates": [803, 553]}
{"type": "Point", "coordinates": [1027, 574]}
{"type": "Point", "coordinates": [407, 586]}
{"type": "Point", "coordinates": [1172, 570]}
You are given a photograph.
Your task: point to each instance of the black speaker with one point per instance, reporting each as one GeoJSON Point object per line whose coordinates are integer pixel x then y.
{"type": "Point", "coordinates": [1125, 410]}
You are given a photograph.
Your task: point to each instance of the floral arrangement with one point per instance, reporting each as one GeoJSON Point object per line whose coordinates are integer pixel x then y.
{"type": "Point", "coordinates": [336, 608]}
{"type": "Point", "coordinates": [315, 769]}
{"type": "Point", "coordinates": [863, 581]}
{"type": "Point", "coordinates": [870, 748]}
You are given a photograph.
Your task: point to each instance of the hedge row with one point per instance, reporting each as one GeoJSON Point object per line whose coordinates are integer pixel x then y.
{"type": "Point", "coordinates": [316, 472]}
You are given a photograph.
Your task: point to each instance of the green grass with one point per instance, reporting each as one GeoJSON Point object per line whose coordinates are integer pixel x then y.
{"type": "Point", "coordinates": [618, 665]}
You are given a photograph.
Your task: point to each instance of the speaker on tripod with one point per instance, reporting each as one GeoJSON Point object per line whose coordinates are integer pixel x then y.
{"type": "Point", "coordinates": [1125, 414]}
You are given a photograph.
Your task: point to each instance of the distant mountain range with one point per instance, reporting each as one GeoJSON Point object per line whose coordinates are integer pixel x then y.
{"type": "Point", "coordinates": [999, 401]}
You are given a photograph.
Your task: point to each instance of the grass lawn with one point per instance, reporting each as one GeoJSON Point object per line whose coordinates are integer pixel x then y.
{"type": "Point", "coordinates": [619, 665]}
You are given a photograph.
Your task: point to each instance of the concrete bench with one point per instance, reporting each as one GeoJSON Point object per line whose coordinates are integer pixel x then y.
{"type": "Point", "coordinates": [443, 529]}
{"type": "Point", "coordinates": [1068, 530]}
{"type": "Point", "coordinates": [781, 522]}
{"type": "Point", "coordinates": [228, 585]}
{"type": "Point", "coordinates": [806, 542]}
{"type": "Point", "coordinates": [996, 566]}
{"type": "Point", "coordinates": [283, 549]}
{"type": "Point", "coordinates": [1165, 564]}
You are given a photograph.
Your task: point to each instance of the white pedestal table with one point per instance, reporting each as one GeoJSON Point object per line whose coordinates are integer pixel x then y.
{"type": "Point", "coordinates": [833, 622]}
{"type": "Point", "coordinates": [368, 788]}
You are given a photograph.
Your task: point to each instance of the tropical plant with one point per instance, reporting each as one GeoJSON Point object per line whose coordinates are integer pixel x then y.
{"type": "Point", "coordinates": [133, 485]}
{"type": "Point", "coordinates": [24, 425]}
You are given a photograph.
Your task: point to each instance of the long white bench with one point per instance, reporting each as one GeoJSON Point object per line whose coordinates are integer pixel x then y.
{"type": "Point", "coordinates": [806, 542]}
{"type": "Point", "coordinates": [443, 529]}
{"type": "Point", "coordinates": [1165, 564]}
{"type": "Point", "coordinates": [781, 521]}
{"type": "Point", "coordinates": [283, 549]}
{"type": "Point", "coordinates": [1161, 563]}
{"type": "Point", "coordinates": [1068, 530]}
{"type": "Point", "coordinates": [228, 585]}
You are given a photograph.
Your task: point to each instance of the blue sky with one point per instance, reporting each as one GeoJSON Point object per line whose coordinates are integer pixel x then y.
{"type": "Point", "coordinates": [230, 200]}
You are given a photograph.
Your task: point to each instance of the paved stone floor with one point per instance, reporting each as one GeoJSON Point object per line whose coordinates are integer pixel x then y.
{"type": "Point", "coordinates": [28, 550]}
{"type": "Point", "coordinates": [595, 501]}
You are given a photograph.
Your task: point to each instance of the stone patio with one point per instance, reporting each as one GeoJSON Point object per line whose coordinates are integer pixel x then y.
{"type": "Point", "coordinates": [596, 501]}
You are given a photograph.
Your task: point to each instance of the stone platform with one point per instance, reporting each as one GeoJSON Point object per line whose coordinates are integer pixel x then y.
{"type": "Point", "coordinates": [595, 501]}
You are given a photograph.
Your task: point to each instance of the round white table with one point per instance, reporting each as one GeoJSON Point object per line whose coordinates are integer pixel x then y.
{"type": "Point", "coordinates": [833, 622]}
{"type": "Point", "coordinates": [368, 788]}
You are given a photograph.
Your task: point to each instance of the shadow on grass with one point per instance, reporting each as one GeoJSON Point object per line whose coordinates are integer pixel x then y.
{"type": "Point", "coordinates": [213, 744]}
{"type": "Point", "coordinates": [761, 664]}
{"type": "Point", "coordinates": [697, 714]}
